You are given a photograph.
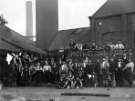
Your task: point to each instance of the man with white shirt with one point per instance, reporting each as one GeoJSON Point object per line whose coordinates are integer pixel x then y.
{"type": "Point", "coordinates": [119, 45]}
{"type": "Point", "coordinates": [119, 73]}
{"type": "Point", "coordinates": [128, 72]}
{"type": "Point", "coordinates": [129, 65]}
{"type": "Point", "coordinates": [47, 72]}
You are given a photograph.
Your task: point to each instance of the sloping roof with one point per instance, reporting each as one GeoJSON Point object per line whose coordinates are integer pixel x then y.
{"type": "Point", "coordinates": [18, 40]}
{"type": "Point", "coordinates": [115, 7]}
{"type": "Point", "coordinates": [64, 37]}
{"type": "Point", "coordinates": [6, 46]}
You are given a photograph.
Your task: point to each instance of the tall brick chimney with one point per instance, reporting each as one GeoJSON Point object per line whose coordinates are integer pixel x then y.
{"type": "Point", "coordinates": [29, 20]}
{"type": "Point", "coordinates": [46, 22]}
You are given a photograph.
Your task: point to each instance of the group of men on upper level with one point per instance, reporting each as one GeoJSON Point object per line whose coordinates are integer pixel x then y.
{"type": "Point", "coordinates": [80, 46]}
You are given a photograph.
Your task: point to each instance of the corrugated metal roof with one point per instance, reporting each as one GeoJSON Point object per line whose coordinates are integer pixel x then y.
{"type": "Point", "coordinates": [115, 7]}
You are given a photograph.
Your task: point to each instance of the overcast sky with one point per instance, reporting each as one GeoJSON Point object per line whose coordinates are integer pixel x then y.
{"type": "Point", "coordinates": [72, 13]}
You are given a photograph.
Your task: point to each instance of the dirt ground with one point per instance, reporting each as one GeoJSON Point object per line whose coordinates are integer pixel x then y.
{"type": "Point", "coordinates": [53, 94]}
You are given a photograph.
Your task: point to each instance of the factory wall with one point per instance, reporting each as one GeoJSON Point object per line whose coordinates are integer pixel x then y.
{"type": "Point", "coordinates": [114, 28]}
{"type": "Point", "coordinates": [111, 29]}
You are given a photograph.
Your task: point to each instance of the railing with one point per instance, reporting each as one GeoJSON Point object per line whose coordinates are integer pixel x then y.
{"type": "Point", "coordinates": [99, 53]}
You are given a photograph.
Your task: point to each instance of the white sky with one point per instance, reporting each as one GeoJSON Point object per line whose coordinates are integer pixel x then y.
{"type": "Point", "coordinates": [72, 13]}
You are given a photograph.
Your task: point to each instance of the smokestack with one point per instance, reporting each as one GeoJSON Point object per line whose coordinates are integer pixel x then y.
{"type": "Point", "coordinates": [46, 22]}
{"type": "Point", "coordinates": [29, 20]}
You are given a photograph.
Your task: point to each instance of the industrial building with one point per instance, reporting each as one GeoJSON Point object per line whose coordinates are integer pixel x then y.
{"type": "Point", "coordinates": [113, 22]}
